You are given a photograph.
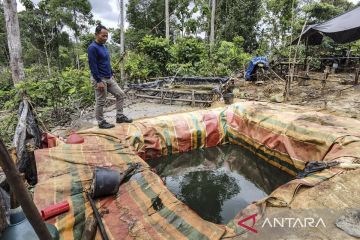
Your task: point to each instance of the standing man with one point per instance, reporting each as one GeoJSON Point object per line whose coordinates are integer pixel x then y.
{"type": "Point", "coordinates": [101, 78]}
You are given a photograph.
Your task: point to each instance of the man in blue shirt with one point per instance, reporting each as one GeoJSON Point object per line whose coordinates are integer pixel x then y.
{"type": "Point", "coordinates": [101, 77]}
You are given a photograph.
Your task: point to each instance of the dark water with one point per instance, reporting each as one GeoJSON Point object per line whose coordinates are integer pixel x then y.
{"type": "Point", "coordinates": [218, 182]}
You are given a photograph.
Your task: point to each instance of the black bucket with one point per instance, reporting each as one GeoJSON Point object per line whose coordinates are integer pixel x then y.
{"type": "Point", "coordinates": [228, 98]}
{"type": "Point", "coordinates": [105, 182]}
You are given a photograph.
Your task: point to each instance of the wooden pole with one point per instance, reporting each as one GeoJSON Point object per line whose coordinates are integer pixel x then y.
{"type": "Point", "coordinates": [122, 40]}
{"type": "Point", "coordinates": [306, 55]}
{"type": "Point", "coordinates": [167, 20]}
{"type": "Point", "coordinates": [212, 29]}
{"type": "Point", "coordinates": [323, 83]}
{"type": "Point", "coordinates": [22, 195]}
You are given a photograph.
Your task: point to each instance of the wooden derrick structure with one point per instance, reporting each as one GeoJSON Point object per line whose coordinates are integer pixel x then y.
{"type": "Point", "coordinates": [197, 91]}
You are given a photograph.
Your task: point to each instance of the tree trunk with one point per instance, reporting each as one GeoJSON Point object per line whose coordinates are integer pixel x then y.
{"type": "Point", "coordinates": [13, 38]}
{"type": "Point", "coordinates": [76, 41]}
{"type": "Point", "coordinates": [47, 60]}
{"type": "Point", "coordinates": [122, 40]}
{"type": "Point", "coordinates": [167, 19]}
{"type": "Point", "coordinates": [212, 30]}
{"type": "Point", "coordinates": [46, 43]}
{"type": "Point", "coordinates": [77, 52]}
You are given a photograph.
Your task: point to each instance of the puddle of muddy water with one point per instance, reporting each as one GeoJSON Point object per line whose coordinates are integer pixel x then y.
{"type": "Point", "coordinates": [218, 182]}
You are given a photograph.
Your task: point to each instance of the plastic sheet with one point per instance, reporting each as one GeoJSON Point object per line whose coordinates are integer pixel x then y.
{"type": "Point", "coordinates": [27, 130]}
{"type": "Point", "coordinates": [285, 136]}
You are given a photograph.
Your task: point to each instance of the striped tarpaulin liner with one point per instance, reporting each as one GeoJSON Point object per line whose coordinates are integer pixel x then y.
{"type": "Point", "coordinates": [284, 136]}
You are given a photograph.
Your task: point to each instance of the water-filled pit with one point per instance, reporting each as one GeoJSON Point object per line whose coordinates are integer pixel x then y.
{"type": "Point", "coordinates": [220, 181]}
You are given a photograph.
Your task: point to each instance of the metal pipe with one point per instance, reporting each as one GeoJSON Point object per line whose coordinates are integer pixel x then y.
{"type": "Point", "coordinates": [22, 195]}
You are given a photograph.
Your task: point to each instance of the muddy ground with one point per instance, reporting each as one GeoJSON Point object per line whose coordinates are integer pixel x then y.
{"type": "Point", "coordinates": [338, 97]}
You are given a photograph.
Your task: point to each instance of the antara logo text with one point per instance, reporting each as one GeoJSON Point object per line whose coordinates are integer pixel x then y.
{"type": "Point", "coordinates": [285, 222]}
{"type": "Point", "coordinates": [291, 222]}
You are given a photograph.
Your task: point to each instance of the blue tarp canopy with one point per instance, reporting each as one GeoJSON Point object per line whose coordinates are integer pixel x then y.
{"type": "Point", "coordinates": [256, 60]}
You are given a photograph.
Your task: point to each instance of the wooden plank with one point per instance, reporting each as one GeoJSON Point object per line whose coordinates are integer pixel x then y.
{"type": "Point", "coordinates": [180, 92]}
{"type": "Point", "coordinates": [174, 99]}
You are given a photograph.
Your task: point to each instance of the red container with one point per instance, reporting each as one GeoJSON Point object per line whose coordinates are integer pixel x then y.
{"type": "Point", "coordinates": [48, 140]}
{"type": "Point", "coordinates": [55, 210]}
{"type": "Point", "coordinates": [74, 138]}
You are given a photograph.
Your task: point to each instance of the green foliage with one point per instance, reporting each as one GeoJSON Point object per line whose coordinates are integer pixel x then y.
{"type": "Point", "coordinates": [59, 90]}
{"type": "Point", "coordinates": [7, 91]}
{"type": "Point", "coordinates": [68, 89]}
{"type": "Point", "coordinates": [184, 22]}
{"type": "Point", "coordinates": [147, 16]}
{"type": "Point", "coordinates": [86, 40]}
{"type": "Point", "coordinates": [43, 30]}
{"type": "Point", "coordinates": [238, 18]}
{"type": "Point", "coordinates": [140, 66]}
{"type": "Point", "coordinates": [56, 97]}
{"type": "Point", "coordinates": [8, 124]}
{"type": "Point", "coordinates": [134, 38]}
{"type": "Point", "coordinates": [76, 14]}
{"type": "Point", "coordinates": [326, 9]}
{"type": "Point", "coordinates": [188, 50]}
{"type": "Point", "coordinates": [158, 49]}
{"type": "Point", "coordinates": [229, 54]}
{"type": "Point", "coordinates": [189, 57]}
{"type": "Point", "coordinates": [277, 17]}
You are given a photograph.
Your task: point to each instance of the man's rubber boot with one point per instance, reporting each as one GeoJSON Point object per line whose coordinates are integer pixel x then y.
{"type": "Point", "coordinates": [105, 125]}
{"type": "Point", "coordinates": [123, 119]}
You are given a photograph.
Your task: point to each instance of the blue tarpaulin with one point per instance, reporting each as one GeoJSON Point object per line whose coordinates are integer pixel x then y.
{"type": "Point", "coordinates": [252, 65]}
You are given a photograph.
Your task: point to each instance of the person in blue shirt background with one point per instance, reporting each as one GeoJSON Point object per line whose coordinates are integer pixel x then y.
{"type": "Point", "coordinates": [102, 80]}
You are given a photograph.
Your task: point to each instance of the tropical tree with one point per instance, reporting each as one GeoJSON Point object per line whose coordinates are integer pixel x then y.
{"type": "Point", "coordinates": [238, 18]}
{"type": "Point", "coordinates": [4, 50]}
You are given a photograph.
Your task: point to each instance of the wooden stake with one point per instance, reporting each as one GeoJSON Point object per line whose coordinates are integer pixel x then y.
{"type": "Point", "coordinates": [171, 99]}
{"type": "Point", "coordinates": [193, 98]}
{"type": "Point", "coordinates": [162, 96]}
{"type": "Point", "coordinates": [323, 83]}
